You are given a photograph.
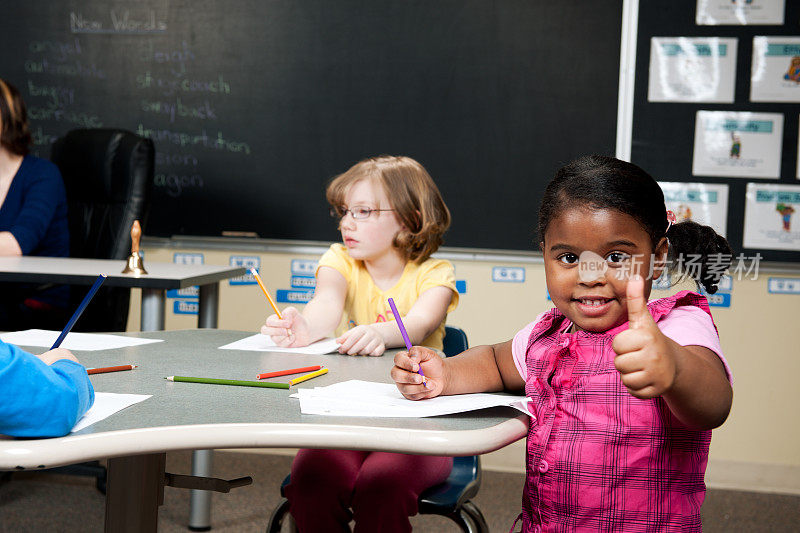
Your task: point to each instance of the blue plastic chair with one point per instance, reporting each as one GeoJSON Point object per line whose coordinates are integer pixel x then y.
{"type": "Point", "coordinates": [453, 497]}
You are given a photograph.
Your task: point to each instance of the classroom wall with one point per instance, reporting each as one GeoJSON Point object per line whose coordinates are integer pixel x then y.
{"type": "Point", "coordinates": [756, 449]}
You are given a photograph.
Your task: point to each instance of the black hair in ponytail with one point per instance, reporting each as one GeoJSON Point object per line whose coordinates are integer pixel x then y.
{"type": "Point", "coordinates": [689, 240]}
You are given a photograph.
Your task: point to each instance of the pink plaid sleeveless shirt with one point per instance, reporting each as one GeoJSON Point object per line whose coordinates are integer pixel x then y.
{"type": "Point", "coordinates": [599, 459]}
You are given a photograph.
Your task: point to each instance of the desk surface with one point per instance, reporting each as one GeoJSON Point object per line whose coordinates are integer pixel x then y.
{"type": "Point", "coordinates": [182, 416]}
{"type": "Point", "coordinates": [70, 270]}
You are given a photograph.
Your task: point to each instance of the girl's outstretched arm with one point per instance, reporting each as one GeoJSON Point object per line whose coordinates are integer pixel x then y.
{"type": "Point", "coordinates": [479, 369]}
{"type": "Point", "coordinates": [422, 319]}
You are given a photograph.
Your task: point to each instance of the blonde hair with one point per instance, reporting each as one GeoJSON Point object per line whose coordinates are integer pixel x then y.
{"type": "Point", "coordinates": [15, 134]}
{"type": "Point", "coordinates": [413, 195]}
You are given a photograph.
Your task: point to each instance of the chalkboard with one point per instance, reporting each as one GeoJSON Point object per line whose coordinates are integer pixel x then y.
{"type": "Point", "coordinates": [663, 133]}
{"type": "Point", "coordinates": [254, 105]}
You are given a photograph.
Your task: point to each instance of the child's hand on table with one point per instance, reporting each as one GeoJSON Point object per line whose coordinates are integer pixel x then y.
{"type": "Point", "coordinates": [52, 356]}
{"type": "Point", "coordinates": [362, 340]}
{"type": "Point", "coordinates": [645, 358]}
{"type": "Point", "coordinates": [291, 332]}
{"type": "Point", "coordinates": [409, 382]}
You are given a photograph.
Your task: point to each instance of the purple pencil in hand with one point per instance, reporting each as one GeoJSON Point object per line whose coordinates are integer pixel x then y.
{"type": "Point", "coordinates": [404, 333]}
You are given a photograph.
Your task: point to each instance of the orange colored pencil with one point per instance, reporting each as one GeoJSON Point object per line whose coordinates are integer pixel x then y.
{"type": "Point", "coordinates": [287, 372]}
{"type": "Point", "coordinates": [105, 369]}
{"type": "Point", "coordinates": [264, 289]}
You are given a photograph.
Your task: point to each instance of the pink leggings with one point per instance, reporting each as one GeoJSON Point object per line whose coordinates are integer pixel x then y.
{"type": "Point", "coordinates": [381, 488]}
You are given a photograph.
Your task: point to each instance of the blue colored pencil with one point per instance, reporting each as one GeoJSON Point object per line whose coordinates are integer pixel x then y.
{"type": "Point", "coordinates": [404, 333]}
{"type": "Point", "coordinates": [78, 312]}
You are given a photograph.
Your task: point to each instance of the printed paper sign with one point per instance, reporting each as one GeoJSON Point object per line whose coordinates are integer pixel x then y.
{"type": "Point", "coordinates": [737, 144]}
{"type": "Point", "coordinates": [304, 267]}
{"type": "Point", "coordinates": [508, 274]}
{"type": "Point", "coordinates": [775, 74]}
{"type": "Point", "coordinates": [718, 299]}
{"type": "Point", "coordinates": [739, 12]}
{"type": "Point", "coordinates": [704, 203]}
{"type": "Point", "coordinates": [248, 262]}
{"type": "Point", "coordinates": [181, 258]}
{"type": "Point", "coordinates": [769, 217]}
{"type": "Point", "coordinates": [698, 69]}
{"type": "Point", "coordinates": [783, 286]}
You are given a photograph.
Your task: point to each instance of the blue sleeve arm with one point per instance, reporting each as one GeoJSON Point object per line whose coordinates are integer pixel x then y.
{"type": "Point", "coordinates": [37, 400]}
{"type": "Point", "coordinates": [37, 211]}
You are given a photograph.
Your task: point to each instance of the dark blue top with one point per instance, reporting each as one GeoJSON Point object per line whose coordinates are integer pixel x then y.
{"type": "Point", "coordinates": [37, 400]}
{"type": "Point", "coordinates": [35, 212]}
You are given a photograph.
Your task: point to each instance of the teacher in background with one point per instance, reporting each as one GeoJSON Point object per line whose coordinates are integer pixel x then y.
{"type": "Point", "coordinates": [33, 219]}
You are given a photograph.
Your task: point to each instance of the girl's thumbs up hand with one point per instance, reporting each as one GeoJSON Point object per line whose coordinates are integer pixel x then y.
{"type": "Point", "coordinates": [645, 357]}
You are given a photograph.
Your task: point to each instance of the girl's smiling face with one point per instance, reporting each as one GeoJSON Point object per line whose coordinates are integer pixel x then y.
{"type": "Point", "coordinates": [592, 299]}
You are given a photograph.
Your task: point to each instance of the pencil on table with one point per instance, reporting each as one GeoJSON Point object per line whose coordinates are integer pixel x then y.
{"type": "Point", "coordinates": [301, 379]}
{"type": "Point", "coordinates": [287, 372]}
{"type": "Point", "coordinates": [105, 369]}
{"type": "Point", "coordinates": [240, 383]}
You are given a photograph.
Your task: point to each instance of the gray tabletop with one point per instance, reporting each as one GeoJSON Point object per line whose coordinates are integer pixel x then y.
{"type": "Point", "coordinates": [200, 416]}
{"type": "Point", "coordinates": [70, 270]}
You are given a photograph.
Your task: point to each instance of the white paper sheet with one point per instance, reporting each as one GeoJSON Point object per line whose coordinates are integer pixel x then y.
{"type": "Point", "coordinates": [74, 341]}
{"type": "Point", "coordinates": [739, 12]}
{"type": "Point", "coordinates": [692, 69]}
{"type": "Point", "coordinates": [262, 343]}
{"type": "Point", "coordinates": [704, 203]}
{"type": "Point", "coordinates": [383, 400]}
{"type": "Point", "coordinates": [738, 144]}
{"type": "Point", "coordinates": [105, 405]}
{"type": "Point", "coordinates": [770, 217]}
{"type": "Point", "coordinates": [775, 71]}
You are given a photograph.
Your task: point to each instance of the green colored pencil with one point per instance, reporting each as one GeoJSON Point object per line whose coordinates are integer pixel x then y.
{"type": "Point", "coordinates": [212, 381]}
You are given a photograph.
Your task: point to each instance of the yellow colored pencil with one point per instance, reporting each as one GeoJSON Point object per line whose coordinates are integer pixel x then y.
{"type": "Point", "coordinates": [264, 289]}
{"type": "Point", "coordinates": [308, 376]}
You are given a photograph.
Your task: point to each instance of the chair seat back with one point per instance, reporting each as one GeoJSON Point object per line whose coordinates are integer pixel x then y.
{"type": "Point", "coordinates": [108, 175]}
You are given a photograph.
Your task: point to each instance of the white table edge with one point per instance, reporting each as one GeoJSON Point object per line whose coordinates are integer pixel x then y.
{"type": "Point", "coordinates": [30, 453]}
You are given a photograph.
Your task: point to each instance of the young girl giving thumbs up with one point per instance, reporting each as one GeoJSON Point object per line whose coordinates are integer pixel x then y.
{"type": "Point", "coordinates": [623, 392]}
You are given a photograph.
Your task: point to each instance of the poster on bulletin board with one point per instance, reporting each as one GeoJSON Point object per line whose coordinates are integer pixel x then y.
{"type": "Point", "coordinates": [770, 220]}
{"type": "Point", "coordinates": [692, 69]}
{"type": "Point", "coordinates": [737, 144]}
{"type": "Point", "coordinates": [775, 74]}
{"type": "Point", "coordinates": [739, 12]}
{"type": "Point", "coordinates": [704, 203]}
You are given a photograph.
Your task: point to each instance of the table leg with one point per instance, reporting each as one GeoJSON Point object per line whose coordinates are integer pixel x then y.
{"type": "Point", "coordinates": [209, 305]}
{"type": "Point", "coordinates": [152, 310]}
{"type": "Point", "coordinates": [200, 500]}
{"type": "Point", "coordinates": [135, 490]}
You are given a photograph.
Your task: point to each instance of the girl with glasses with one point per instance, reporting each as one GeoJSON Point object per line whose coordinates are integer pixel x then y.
{"type": "Point", "coordinates": [392, 218]}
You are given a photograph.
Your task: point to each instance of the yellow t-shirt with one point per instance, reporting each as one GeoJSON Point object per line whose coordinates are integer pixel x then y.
{"type": "Point", "coordinates": [366, 303]}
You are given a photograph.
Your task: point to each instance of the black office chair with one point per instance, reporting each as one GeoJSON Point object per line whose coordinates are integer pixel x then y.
{"type": "Point", "coordinates": [451, 498]}
{"type": "Point", "coordinates": [108, 175]}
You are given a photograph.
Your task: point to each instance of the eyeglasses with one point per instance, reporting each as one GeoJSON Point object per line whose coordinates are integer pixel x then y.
{"type": "Point", "coordinates": [359, 212]}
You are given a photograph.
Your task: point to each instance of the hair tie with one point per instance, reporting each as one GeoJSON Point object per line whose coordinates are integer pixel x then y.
{"type": "Point", "coordinates": [670, 220]}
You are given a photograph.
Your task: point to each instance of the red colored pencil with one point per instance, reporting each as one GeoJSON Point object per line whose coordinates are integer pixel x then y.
{"type": "Point", "coordinates": [105, 369]}
{"type": "Point", "coordinates": [287, 372]}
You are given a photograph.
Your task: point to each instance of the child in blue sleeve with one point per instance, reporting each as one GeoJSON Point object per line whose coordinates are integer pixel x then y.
{"type": "Point", "coordinates": [41, 395]}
